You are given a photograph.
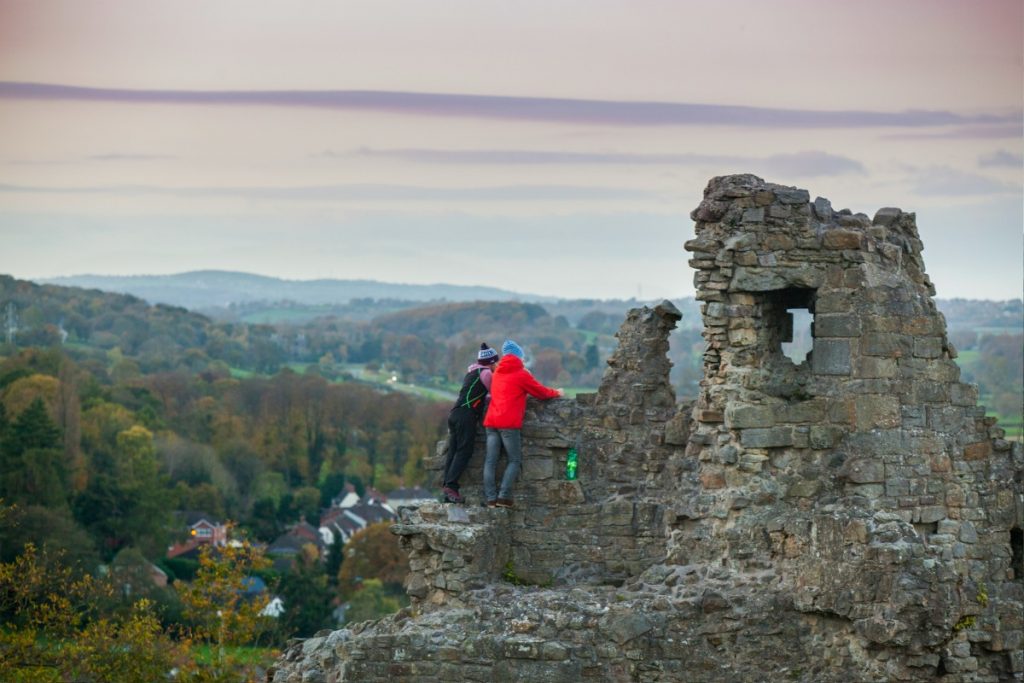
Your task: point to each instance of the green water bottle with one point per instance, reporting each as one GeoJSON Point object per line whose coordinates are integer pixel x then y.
{"type": "Point", "coordinates": [571, 463]}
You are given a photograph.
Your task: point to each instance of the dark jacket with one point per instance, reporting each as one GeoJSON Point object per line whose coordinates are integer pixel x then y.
{"type": "Point", "coordinates": [475, 387]}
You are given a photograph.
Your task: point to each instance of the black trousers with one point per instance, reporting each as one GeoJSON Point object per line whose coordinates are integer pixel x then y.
{"type": "Point", "coordinates": [462, 423]}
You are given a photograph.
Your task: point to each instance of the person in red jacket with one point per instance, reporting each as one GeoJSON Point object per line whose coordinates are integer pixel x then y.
{"type": "Point", "coordinates": [511, 383]}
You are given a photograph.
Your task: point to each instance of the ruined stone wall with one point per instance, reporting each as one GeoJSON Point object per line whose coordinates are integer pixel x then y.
{"type": "Point", "coordinates": [869, 478]}
{"type": "Point", "coordinates": [851, 516]}
{"type": "Point", "coordinates": [601, 528]}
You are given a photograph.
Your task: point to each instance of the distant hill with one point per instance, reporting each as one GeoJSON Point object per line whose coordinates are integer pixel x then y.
{"type": "Point", "coordinates": [208, 289]}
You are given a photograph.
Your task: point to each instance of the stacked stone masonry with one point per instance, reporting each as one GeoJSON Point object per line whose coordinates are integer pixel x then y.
{"type": "Point", "coordinates": [850, 516]}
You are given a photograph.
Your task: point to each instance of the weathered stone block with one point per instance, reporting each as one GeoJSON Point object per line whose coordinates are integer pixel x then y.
{"type": "Point", "coordinates": [875, 411]}
{"type": "Point", "coordinates": [745, 258]}
{"type": "Point", "coordinates": [712, 478]}
{"type": "Point", "coordinates": [822, 208]}
{"type": "Point", "coordinates": [841, 411]}
{"type": "Point", "coordinates": [562, 493]}
{"type": "Point", "coordinates": [753, 215]}
{"type": "Point", "coordinates": [963, 394]}
{"type": "Point", "coordinates": [841, 239]}
{"type": "Point", "coordinates": [772, 437]}
{"type": "Point", "coordinates": [978, 451]}
{"type": "Point", "coordinates": [883, 323]}
{"type": "Point", "coordinates": [677, 430]}
{"type": "Point", "coordinates": [927, 347]}
{"type": "Point", "coordinates": [872, 367]}
{"type": "Point", "coordinates": [752, 462]}
{"type": "Point", "coordinates": [804, 488]}
{"type": "Point", "coordinates": [619, 512]}
{"type": "Point", "coordinates": [802, 412]}
{"type": "Point", "coordinates": [835, 301]}
{"type": "Point", "coordinates": [896, 487]}
{"type": "Point", "coordinates": [913, 416]}
{"type": "Point", "coordinates": [923, 325]}
{"type": "Point", "coordinates": [931, 514]}
{"type": "Point", "coordinates": [553, 651]}
{"type": "Point", "coordinates": [622, 627]}
{"type": "Point", "coordinates": [746, 416]}
{"type": "Point", "coordinates": [886, 216]}
{"type": "Point", "coordinates": [853, 278]}
{"type": "Point", "coordinates": [710, 416]}
{"type": "Point", "coordinates": [886, 344]}
{"type": "Point", "coordinates": [836, 325]}
{"type": "Point", "coordinates": [831, 357]}
{"type": "Point", "coordinates": [519, 648]}
{"type": "Point", "coordinates": [743, 336]}
{"type": "Point", "coordinates": [792, 195]}
{"type": "Point", "coordinates": [863, 471]}
{"type": "Point", "coordinates": [822, 437]}
{"type": "Point", "coordinates": [761, 279]}
{"type": "Point", "coordinates": [931, 392]}
{"type": "Point", "coordinates": [945, 418]}
{"type": "Point", "coordinates": [778, 242]}
{"type": "Point", "coordinates": [535, 468]}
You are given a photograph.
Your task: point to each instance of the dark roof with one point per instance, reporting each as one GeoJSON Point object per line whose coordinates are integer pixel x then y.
{"type": "Point", "coordinates": [193, 517]}
{"type": "Point", "coordinates": [347, 524]}
{"type": "Point", "coordinates": [372, 512]}
{"type": "Point", "coordinates": [287, 544]}
{"type": "Point", "coordinates": [330, 514]}
{"type": "Point", "coordinates": [374, 495]}
{"type": "Point", "coordinates": [307, 531]}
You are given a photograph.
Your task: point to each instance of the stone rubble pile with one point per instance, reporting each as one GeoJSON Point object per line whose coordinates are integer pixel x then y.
{"type": "Point", "coordinates": [848, 516]}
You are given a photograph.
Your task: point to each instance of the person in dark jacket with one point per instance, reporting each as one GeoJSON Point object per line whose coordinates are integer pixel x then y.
{"type": "Point", "coordinates": [504, 421]}
{"type": "Point", "coordinates": [463, 418]}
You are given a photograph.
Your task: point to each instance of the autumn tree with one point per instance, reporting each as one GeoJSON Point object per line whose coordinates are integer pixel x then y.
{"type": "Point", "coordinates": [220, 603]}
{"type": "Point", "coordinates": [547, 365]}
{"type": "Point", "coordinates": [52, 632]}
{"type": "Point", "coordinates": [125, 502]}
{"type": "Point", "coordinates": [21, 393]}
{"type": "Point", "coordinates": [31, 459]}
{"type": "Point", "coordinates": [372, 553]}
{"type": "Point", "coordinates": [52, 530]}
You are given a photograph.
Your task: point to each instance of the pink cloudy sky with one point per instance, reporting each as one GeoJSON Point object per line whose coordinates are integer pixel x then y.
{"type": "Point", "coordinates": [551, 147]}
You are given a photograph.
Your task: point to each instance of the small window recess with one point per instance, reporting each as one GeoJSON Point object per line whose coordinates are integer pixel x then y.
{"type": "Point", "coordinates": [791, 313]}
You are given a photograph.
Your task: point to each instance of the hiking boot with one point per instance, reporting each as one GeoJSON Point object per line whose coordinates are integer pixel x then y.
{"type": "Point", "coordinates": [503, 503]}
{"type": "Point", "coordinates": [452, 496]}
{"type": "Point", "coordinates": [491, 504]}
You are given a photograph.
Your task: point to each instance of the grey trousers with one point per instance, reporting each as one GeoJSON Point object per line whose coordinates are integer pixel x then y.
{"type": "Point", "coordinates": [512, 440]}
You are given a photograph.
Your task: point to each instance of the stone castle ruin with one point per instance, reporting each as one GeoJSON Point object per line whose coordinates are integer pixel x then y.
{"type": "Point", "coordinates": [849, 516]}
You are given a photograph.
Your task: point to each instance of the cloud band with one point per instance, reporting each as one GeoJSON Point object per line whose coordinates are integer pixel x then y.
{"type": "Point", "coordinates": [557, 110]}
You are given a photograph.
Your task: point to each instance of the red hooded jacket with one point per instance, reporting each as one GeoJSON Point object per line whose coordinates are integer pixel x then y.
{"type": "Point", "coordinates": [509, 387]}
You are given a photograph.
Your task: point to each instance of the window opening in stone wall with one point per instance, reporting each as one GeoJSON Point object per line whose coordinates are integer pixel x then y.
{"type": "Point", "coordinates": [802, 339]}
{"type": "Point", "coordinates": [790, 314]}
{"type": "Point", "coordinates": [1017, 553]}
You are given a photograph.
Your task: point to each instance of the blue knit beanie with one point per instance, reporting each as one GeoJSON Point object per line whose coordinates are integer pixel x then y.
{"type": "Point", "coordinates": [511, 348]}
{"type": "Point", "coordinates": [486, 355]}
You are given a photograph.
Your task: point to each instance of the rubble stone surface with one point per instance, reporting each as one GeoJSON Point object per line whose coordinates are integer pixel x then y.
{"type": "Point", "coordinates": [850, 517]}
